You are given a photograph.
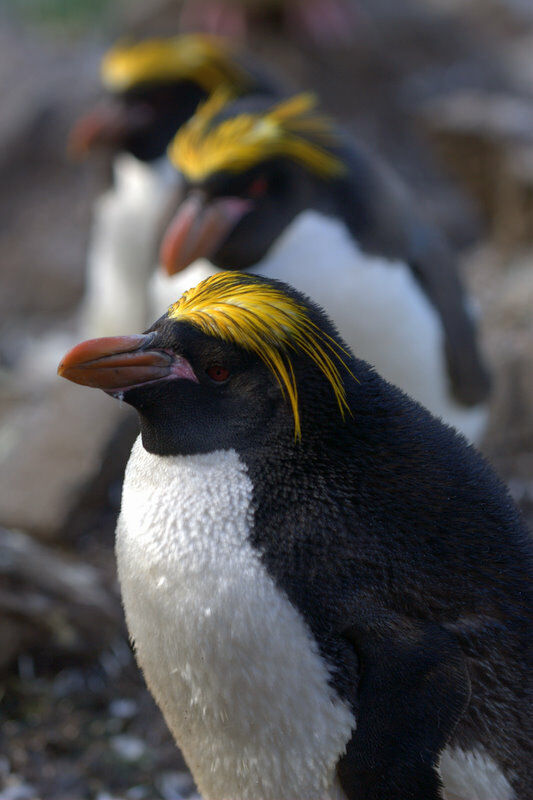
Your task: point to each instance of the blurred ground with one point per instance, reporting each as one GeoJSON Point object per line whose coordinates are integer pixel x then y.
{"type": "Point", "coordinates": [444, 90]}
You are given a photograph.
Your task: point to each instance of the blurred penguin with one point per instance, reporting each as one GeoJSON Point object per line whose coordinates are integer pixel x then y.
{"type": "Point", "coordinates": [153, 87]}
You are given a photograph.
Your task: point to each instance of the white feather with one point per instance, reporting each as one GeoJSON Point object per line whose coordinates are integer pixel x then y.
{"type": "Point", "coordinates": [378, 307]}
{"type": "Point", "coordinates": [230, 661]}
{"type": "Point", "coordinates": [123, 247]}
{"type": "Point", "coordinates": [126, 290]}
{"type": "Point", "coordinates": [473, 775]}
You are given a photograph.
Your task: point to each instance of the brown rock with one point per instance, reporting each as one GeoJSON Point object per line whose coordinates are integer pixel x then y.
{"type": "Point", "coordinates": [50, 450]}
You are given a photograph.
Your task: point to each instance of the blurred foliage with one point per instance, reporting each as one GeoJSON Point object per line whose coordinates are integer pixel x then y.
{"type": "Point", "coordinates": [72, 16]}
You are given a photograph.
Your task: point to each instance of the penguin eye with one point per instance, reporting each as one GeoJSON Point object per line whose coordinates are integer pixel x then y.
{"type": "Point", "coordinates": [258, 187]}
{"type": "Point", "coordinates": [218, 373]}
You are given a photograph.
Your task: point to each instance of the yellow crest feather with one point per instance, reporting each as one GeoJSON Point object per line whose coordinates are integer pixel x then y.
{"type": "Point", "coordinates": [259, 317]}
{"type": "Point", "coordinates": [291, 128]}
{"type": "Point", "coordinates": [205, 59]}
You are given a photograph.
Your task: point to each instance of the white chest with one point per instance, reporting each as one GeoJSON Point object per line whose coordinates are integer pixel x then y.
{"type": "Point", "coordinates": [378, 307]}
{"type": "Point", "coordinates": [123, 248]}
{"type": "Point", "coordinates": [229, 660]}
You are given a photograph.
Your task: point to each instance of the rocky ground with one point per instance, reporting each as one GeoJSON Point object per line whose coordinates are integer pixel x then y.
{"type": "Point", "coordinates": [76, 720]}
{"type": "Point", "coordinates": [89, 731]}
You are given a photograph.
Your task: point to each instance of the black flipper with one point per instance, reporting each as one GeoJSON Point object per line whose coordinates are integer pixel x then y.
{"type": "Point", "coordinates": [385, 220]}
{"type": "Point", "coordinates": [413, 689]}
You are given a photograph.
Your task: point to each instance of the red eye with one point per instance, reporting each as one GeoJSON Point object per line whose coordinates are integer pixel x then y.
{"type": "Point", "coordinates": [258, 187]}
{"type": "Point", "coordinates": [218, 373]}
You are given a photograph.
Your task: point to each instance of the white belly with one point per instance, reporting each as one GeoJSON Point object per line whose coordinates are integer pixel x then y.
{"type": "Point", "coordinates": [229, 660]}
{"type": "Point", "coordinates": [473, 776]}
{"type": "Point", "coordinates": [378, 307]}
{"type": "Point", "coordinates": [123, 248]}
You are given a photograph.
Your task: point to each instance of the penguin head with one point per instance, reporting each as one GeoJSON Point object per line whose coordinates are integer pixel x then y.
{"type": "Point", "coordinates": [237, 362]}
{"type": "Point", "coordinates": [251, 166]}
{"type": "Point", "coordinates": [153, 87]}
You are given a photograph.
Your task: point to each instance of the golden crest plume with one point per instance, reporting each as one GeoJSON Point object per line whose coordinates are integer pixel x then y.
{"type": "Point", "coordinates": [208, 60]}
{"type": "Point", "coordinates": [259, 317]}
{"type": "Point", "coordinates": [290, 128]}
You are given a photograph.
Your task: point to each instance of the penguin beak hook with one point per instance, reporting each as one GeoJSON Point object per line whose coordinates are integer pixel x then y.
{"type": "Point", "coordinates": [119, 363]}
{"type": "Point", "coordinates": [199, 228]}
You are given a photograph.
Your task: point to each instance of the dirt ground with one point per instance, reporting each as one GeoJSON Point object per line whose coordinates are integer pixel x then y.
{"type": "Point", "coordinates": [83, 726]}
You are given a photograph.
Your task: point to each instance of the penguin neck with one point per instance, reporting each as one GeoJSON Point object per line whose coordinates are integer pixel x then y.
{"type": "Point", "coordinates": [336, 220]}
{"type": "Point", "coordinates": [281, 459]}
{"type": "Point", "coordinates": [349, 200]}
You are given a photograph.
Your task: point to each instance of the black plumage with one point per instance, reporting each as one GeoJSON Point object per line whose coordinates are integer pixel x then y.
{"type": "Point", "coordinates": [394, 539]}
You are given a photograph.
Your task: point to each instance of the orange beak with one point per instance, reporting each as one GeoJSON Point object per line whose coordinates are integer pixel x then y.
{"type": "Point", "coordinates": [199, 228]}
{"type": "Point", "coordinates": [118, 363]}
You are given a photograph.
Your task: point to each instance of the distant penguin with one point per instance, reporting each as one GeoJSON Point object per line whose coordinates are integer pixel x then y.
{"type": "Point", "coordinates": [275, 189]}
{"type": "Point", "coordinates": [154, 86]}
{"type": "Point", "coordinates": [329, 591]}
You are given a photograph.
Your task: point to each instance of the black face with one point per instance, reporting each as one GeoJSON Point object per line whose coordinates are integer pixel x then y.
{"type": "Point", "coordinates": [234, 402]}
{"type": "Point", "coordinates": [169, 106]}
{"type": "Point", "coordinates": [279, 190]}
{"type": "Point", "coordinates": [196, 393]}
